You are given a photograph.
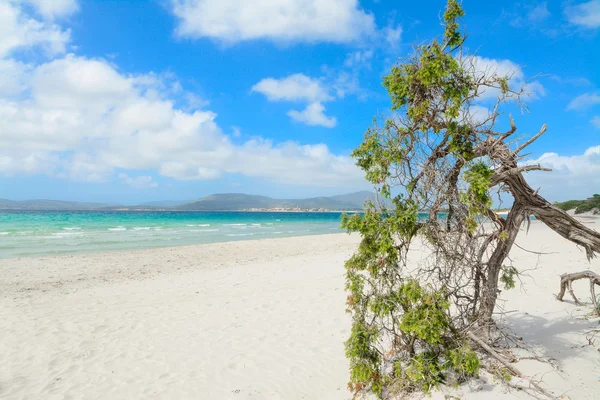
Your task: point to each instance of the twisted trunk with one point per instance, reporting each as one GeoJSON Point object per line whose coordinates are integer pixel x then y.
{"type": "Point", "coordinates": [527, 202]}
{"type": "Point", "coordinates": [489, 296]}
{"type": "Point", "coordinates": [555, 218]}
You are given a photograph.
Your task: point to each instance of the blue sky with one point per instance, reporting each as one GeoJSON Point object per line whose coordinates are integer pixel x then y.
{"type": "Point", "coordinates": [132, 101]}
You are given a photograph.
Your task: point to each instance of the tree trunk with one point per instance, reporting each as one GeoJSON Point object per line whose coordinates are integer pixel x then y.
{"type": "Point", "coordinates": [494, 265]}
{"type": "Point", "coordinates": [555, 218]}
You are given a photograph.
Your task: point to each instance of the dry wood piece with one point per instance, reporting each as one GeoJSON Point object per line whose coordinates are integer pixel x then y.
{"type": "Point", "coordinates": [566, 280]}
{"type": "Point", "coordinates": [494, 354]}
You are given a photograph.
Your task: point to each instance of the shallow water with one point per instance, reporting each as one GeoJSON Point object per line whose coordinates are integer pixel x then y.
{"type": "Point", "coordinates": [26, 233]}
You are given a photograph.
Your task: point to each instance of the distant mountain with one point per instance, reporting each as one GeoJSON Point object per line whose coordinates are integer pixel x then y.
{"type": "Point", "coordinates": [165, 203]}
{"type": "Point", "coordinates": [355, 198]}
{"type": "Point", "coordinates": [48, 205]}
{"type": "Point", "coordinates": [215, 202]}
{"type": "Point", "coordinates": [240, 201]}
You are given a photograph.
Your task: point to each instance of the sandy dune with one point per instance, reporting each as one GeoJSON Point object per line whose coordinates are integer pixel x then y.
{"type": "Point", "coordinates": [245, 320]}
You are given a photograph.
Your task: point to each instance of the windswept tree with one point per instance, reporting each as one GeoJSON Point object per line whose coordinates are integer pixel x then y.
{"type": "Point", "coordinates": [417, 325]}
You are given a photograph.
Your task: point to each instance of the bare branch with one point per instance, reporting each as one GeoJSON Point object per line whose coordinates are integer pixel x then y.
{"type": "Point", "coordinates": [531, 140]}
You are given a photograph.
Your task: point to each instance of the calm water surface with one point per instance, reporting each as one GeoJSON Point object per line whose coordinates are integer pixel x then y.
{"type": "Point", "coordinates": [25, 233]}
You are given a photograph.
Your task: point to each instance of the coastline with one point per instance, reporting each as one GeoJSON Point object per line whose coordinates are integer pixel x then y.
{"type": "Point", "coordinates": [251, 319]}
{"type": "Point", "coordinates": [31, 274]}
{"type": "Point", "coordinates": [55, 233]}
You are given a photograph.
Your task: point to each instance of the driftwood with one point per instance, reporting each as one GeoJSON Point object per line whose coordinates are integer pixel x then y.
{"type": "Point", "coordinates": [566, 281]}
{"type": "Point", "coordinates": [513, 370]}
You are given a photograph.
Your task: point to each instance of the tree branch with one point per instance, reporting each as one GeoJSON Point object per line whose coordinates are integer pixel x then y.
{"type": "Point", "coordinates": [531, 140]}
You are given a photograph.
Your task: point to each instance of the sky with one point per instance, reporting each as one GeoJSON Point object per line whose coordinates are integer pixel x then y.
{"type": "Point", "coordinates": [132, 101]}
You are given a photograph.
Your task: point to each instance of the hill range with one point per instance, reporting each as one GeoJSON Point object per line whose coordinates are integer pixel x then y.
{"type": "Point", "coordinates": [215, 202]}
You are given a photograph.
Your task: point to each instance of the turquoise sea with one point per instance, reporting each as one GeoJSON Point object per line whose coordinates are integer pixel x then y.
{"type": "Point", "coordinates": [27, 233]}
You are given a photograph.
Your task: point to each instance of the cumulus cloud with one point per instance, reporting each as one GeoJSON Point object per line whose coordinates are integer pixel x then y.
{"type": "Point", "coordinates": [299, 87]}
{"type": "Point", "coordinates": [572, 177]}
{"type": "Point", "coordinates": [138, 182]}
{"type": "Point", "coordinates": [53, 9]}
{"type": "Point", "coordinates": [290, 162]}
{"type": "Point", "coordinates": [586, 15]}
{"type": "Point", "coordinates": [83, 119]}
{"type": "Point", "coordinates": [584, 101]}
{"type": "Point", "coordinates": [292, 88]}
{"type": "Point", "coordinates": [489, 67]}
{"type": "Point", "coordinates": [231, 21]}
{"type": "Point", "coordinates": [313, 115]}
{"type": "Point", "coordinates": [19, 30]}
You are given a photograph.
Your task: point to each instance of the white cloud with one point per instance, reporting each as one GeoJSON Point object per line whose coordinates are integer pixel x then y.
{"type": "Point", "coordinates": [313, 115]}
{"type": "Point", "coordinates": [313, 92]}
{"type": "Point", "coordinates": [139, 182]}
{"type": "Point", "coordinates": [584, 101]}
{"type": "Point", "coordinates": [392, 36]}
{"type": "Point", "coordinates": [292, 88]}
{"type": "Point", "coordinates": [596, 121]}
{"type": "Point", "coordinates": [539, 13]}
{"type": "Point", "coordinates": [572, 177]}
{"type": "Point", "coordinates": [576, 81]}
{"type": "Point", "coordinates": [12, 77]}
{"type": "Point", "coordinates": [345, 84]}
{"type": "Point", "coordinates": [292, 163]}
{"type": "Point", "coordinates": [489, 67]}
{"type": "Point", "coordinates": [231, 21]}
{"type": "Point", "coordinates": [187, 171]}
{"type": "Point", "coordinates": [476, 113]}
{"type": "Point", "coordinates": [19, 30]}
{"type": "Point", "coordinates": [586, 15]}
{"type": "Point", "coordinates": [53, 9]}
{"type": "Point", "coordinates": [81, 119]}
{"type": "Point", "coordinates": [359, 59]}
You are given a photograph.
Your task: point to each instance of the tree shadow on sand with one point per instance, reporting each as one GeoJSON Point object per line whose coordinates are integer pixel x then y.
{"type": "Point", "coordinates": [557, 337]}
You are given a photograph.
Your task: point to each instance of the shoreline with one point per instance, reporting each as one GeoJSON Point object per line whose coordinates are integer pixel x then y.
{"type": "Point", "coordinates": [165, 248]}
{"type": "Point", "coordinates": [23, 274]}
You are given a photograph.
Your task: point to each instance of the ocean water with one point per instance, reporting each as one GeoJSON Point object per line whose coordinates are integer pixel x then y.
{"type": "Point", "coordinates": [27, 233]}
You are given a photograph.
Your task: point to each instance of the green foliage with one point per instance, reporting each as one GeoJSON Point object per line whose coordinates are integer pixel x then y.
{"type": "Point", "coordinates": [581, 206]}
{"type": "Point", "coordinates": [503, 82]}
{"type": "Point", "coordinates": [453, 13]}
{"type": "Point", "coordinates": [464, 361]}
{"type": "Point", "coordinates": [569, 204]}
{"type": "Point", "coordinates": [398, 320]}
{"type": "Point", "coordinates": [413, 85]}
{"type": "Point", "coordinates": [460, 143]}
{"type": "Point", "coordinates": [426, 322]}
{"type": "Point", "coordinates": [477, 198]}
{"type": "Point", "coordinates": [425, 313]}
{"type": "Point", "coordinates": [424, 372]}
{"type": "Point", "coordinates": [364, 359]}
{"type": "Point", "coordinates": [508, 277]}
{"type": "Point", "coordinates": [479, 178]}
{"type": "Point", "coordinates": [427, 370]}
{"type": "Point", "coordinates": [502, 375]}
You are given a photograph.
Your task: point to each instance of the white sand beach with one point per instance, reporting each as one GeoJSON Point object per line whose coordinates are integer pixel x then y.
{"type": "Point", "coordinates": [249, 320]}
